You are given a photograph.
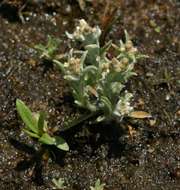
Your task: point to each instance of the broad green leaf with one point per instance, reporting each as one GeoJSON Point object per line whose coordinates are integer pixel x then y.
{"type": "Point", "coordinates": [26, 116]}
{"type": "Point", "coordinates": [47, 139]}
{"type": "Point", "coordinates": [41, 123]}
{"type": "Point", "coordinates": [61, 143]}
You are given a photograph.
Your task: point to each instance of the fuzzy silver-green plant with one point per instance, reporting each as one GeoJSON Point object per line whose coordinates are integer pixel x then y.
{"type": "Point", "coordinates": [96, 80]}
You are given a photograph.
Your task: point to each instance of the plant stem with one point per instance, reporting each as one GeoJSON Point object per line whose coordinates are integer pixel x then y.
{"type": "Point", "coordinates": [76, 122]}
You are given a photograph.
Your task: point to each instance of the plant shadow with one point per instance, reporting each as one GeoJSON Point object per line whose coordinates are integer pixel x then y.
{"type": "Point", "coordinates": [9, 12]}
{"type": "Point", "coordinates": [95, 136]}
{"type": "Point", "coordinates": [34, 162]}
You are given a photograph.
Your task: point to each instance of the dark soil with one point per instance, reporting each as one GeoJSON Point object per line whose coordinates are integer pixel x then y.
{"type": "Point", "coordinates": [136, 154]}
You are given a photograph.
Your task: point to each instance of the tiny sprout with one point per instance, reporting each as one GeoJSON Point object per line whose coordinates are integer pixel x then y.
{"type": "Point", "coordinates": [49, 50]}
{"type": "Point", "coordinates": [98, 185]}
{"type": "Point", "coordinates": [58, 183]}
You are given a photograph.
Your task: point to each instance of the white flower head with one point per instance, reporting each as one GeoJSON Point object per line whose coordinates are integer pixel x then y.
{"type": "Point", "coordinates": [73, 65]}
{"type": "Point", "coordinates": [83, 29]}
{"type": "Point", "coordinates": [123, 106]}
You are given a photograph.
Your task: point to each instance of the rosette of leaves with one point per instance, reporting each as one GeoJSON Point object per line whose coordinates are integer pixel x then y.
{"type": "Point", "coordinates": [36, 127]}
{"type": "Point", "coordinates": [97, 81]}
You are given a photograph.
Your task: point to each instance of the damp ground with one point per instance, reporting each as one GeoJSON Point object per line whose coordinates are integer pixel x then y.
{"type": "Point", "coordinates": [136, 154]}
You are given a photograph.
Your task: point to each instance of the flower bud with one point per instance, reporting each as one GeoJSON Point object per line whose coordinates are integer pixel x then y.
{"type": "Point", "coordinates": [129, 45]}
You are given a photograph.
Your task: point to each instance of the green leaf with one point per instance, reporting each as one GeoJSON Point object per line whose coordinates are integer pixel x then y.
{"type": "Point", "coordinates": [40, 47]}
{"type": "Point", "coordinates": [115, 77]}
{"type": "Point", "coordinates": [52, 44]}
{"type": "Point", "coordinates": [83, 57]}
{"type": "Point", "coordinates": [93, 53]}
{"type": "Point", "coordinates": [100, 118]}
{"type": "Point", "coordinates": [41, 123]}
{"type": "Point", "coordinates": [127, 37]}
{"type": "Point", "coordinates": [31, 134]}
{"type": "Point", "coordinates": [71, 78]}
{"type": "Point", "coordinates": [61, 143]}
{"type": "Point", "coordinates": [105, 48]}
{"type": "Point", "coordinates": [90, 69]}
{"type": "Point", "coordinates": [107, 104]}
{"type": "Point", "coordinates": [59, 65]}
{"type": "Point", "coordinates": [47, 139]}
{"type": "Point", "coordinates": [26, 116]}
{"type": "Point", "coordinates": [58, 183]}
{"type": "Point", "coordinates": [49, 49]}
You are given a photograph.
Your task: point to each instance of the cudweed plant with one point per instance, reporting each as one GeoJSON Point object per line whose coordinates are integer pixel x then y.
{"type": "Point", "coordinates": [96, 79]}
{"type": "Point", "coordinates": [36, 127]}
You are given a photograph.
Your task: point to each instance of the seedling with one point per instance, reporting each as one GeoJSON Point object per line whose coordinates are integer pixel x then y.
{"type": "Point", "coordinates": [98, 186]}
{"type": "Point", "coordinates": [36, 127]}
{"type": "Point", "coordinates": [58, 183]}
{"type": "Point", "coordinates": [97, 75]}
{"type": "Point", "coordinates": [49, 50]}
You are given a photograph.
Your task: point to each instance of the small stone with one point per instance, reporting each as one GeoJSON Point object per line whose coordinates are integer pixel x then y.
{"type": "Point", "coordinates": [176, 173]}
{"type": "Point", "coordinates": [152, 122]}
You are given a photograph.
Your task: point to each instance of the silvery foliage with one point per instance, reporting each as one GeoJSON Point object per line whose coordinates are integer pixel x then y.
{"type": "Point", "coordinates": [98, 81]}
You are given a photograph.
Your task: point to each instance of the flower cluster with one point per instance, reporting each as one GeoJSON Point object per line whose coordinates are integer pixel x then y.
{"type": "Point", "coordinates": [73, 65]}
{"type": "Point", "coordinates": [123, 106]}
{"type": "Point", "coordinates": [84, 32]}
